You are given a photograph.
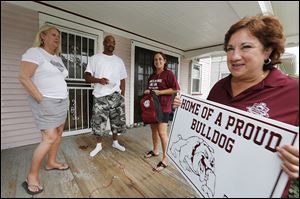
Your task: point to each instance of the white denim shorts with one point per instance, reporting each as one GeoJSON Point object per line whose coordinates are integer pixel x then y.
{"type": "Point", "coordinates": [50, 112]}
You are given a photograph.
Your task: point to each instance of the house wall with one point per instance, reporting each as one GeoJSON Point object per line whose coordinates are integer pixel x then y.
{"type": "Point", "coordinates": [19, 26]}
{"type": "Point", "coordinates": [205, 77]}
{"type": "Point", "coordinates": [218, 66]}
{"type": "Point", "coordinates": [185, 76]}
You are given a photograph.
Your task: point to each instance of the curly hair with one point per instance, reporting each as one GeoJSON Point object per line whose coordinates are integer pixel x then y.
{"type": "Point", "coordinates": [268, 30]}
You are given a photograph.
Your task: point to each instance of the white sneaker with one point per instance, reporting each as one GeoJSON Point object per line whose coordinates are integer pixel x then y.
{"type": "Point", "coordinates": [96, 150]}
{"type": "Point", "coordinates": [118, 146]}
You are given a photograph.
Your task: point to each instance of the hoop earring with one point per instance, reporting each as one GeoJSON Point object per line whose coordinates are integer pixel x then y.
{"type": "Point", "coordinates": [267, 61]}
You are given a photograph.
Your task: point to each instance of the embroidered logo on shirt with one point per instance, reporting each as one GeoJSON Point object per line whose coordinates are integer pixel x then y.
{"type": "Point", "coordinates": [57, 65]}
{"type": "Point", "coordinates": [259, 109]}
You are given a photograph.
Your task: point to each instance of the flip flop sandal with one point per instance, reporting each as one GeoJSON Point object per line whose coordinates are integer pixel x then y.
{"type": "Point", "coordinates": [151, 154]}
{"type": "Point", "coordinates": [62, 168]}
{"type": "Point", "coordinates": [26, 186]}
{"type": "Point", "coordinates": [160, 166]}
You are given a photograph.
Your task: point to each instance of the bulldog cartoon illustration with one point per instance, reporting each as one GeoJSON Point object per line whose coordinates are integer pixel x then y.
{"type": "Point", "coordinates": [196, 156]}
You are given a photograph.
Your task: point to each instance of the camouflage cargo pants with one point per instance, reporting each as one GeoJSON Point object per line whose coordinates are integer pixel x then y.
{"type": "Point", "coordinates": [110, 107]}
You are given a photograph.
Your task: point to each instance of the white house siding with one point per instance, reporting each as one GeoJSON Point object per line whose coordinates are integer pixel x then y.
{"type": "Point", "coordinates": [218, 66]}
{"type": "Point", "coordinates": [184, 77]}
{"type": "Point", "coordinates": [19, 26]}
{"type": "Point", "coordinates": [205, 77]}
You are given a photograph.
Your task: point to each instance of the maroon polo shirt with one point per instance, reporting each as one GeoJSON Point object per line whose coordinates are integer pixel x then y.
{"type": "Point", "coordinates": [276, 97]}
{"type": "Point", "coordinates": [162, 81]}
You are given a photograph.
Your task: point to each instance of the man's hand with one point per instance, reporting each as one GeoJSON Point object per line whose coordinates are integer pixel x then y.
{"type": "Point", "coordinates": [103, 81]}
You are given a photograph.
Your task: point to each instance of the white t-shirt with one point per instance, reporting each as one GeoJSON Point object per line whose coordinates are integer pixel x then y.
{"type": "Point", "coordinates": [50, 74]}
{"type": "Point", "coordinates": [106, 66]}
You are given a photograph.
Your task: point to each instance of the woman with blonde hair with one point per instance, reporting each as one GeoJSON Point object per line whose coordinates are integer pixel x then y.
{"type": "Point", "coordinates": [43, 76]}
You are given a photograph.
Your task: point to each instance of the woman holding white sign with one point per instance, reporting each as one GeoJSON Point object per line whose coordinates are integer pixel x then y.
{"type": "Point", "coordinates": [254, 46]}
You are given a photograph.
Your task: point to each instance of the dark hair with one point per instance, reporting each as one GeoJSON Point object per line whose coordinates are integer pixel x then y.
{"type": "Point", "coordinates": [268, 30]}
{"type": "Point", "coordinates": [165, 58]}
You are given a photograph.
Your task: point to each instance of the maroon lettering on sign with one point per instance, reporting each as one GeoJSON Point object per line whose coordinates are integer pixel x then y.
{"type": "Point", "coordinates": [273, 137]}
{"type": "Point", "coordinates": [219, 119]}
{"type": "Point", "coordinates": [230, 122]}
{"type": "Point", "coordinates": [239, 125]}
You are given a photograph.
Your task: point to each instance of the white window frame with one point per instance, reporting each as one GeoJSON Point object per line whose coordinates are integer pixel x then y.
{"type": "Point", "coordinates": [61, 23]}
{"type": "Point", "coordinates": [200, 78]}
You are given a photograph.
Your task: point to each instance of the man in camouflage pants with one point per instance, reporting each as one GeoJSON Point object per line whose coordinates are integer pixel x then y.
{"type": "Point", "coordinates": [107, 71]}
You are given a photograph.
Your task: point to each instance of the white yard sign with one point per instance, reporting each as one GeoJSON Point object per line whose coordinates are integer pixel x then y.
{"type": "Point", "coordinates": [226, 152]}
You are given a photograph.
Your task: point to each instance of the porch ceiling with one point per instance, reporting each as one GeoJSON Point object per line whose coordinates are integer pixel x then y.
{"type": "Point", "coordinates": [185, 25]}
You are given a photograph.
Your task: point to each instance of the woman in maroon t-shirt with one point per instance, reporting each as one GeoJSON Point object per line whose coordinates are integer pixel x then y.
{"type": "Point", "coordinates": [254, 46]}
{"type": "Point", "coordinates": [163, 82]}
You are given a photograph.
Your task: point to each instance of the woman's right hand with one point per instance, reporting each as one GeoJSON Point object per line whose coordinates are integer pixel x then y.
{"type": "Point", "coordinates": [177, 101]}
{"type": "Point", "coordinates": [147, 92]}
{"type": "Point", "coordinates": [40, 99]}
{"type": "Point", "coordinates": [290, 160]}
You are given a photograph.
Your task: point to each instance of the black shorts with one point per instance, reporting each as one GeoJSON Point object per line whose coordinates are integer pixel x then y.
{"type": "Point", "coordinates": [165, 117]}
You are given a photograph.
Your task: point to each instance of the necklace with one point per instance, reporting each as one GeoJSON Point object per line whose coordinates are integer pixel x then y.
{"type": "Point", "coordinates": [265, 73]}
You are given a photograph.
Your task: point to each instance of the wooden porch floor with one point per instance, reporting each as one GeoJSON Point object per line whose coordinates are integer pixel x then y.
{"type": "Point", "coordinates": [110, 173]}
